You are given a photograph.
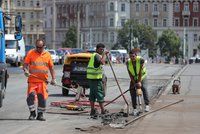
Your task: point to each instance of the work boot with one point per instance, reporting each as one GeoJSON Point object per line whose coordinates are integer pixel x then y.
{"type": "Point", "coordinates": [40, 117]}
{"type": "Point", "coordinates": [147, 108]}
{"type": "Point", "coordinates": [135, 112]}
{"type": "Point", "coordinates": [94, 113]}
{"type": "Point", "coordinates": [32, 115]}
{"type": "Point", "coordinates": [105, 111]}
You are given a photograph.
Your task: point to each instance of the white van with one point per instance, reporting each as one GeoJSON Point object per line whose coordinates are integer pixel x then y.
{"type": "Point", "coordinates": [15, 50]}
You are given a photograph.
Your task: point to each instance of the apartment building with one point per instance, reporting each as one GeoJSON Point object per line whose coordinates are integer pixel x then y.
{"type": "Point", "coordinates": [96, 20]}
{"type": "Point", "coordinates": [32, 18]}
{"type": "Point", "coordinates": [183, 16]}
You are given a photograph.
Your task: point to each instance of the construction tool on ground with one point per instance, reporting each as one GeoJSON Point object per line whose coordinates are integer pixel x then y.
{"type": "Point", "coordinates": [118, 85]}
{"type": "Point", "coordinates": [78, 93]}
{"type": "Point", "coordinates": [140, 103]}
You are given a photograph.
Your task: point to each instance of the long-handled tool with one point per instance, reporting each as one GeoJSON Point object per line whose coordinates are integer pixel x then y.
{"type": "Point", "coordinates": [122, 94]}
{"type": "Point", "coordinates": [79, 94]}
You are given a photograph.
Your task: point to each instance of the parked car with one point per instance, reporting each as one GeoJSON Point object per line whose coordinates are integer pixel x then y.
{"type": "Point", "coordinates": [74, 72]}
{"type": "Point", "coordinates": [54, 56]}
{"type": "Point", "coordinates": [61, 55]}
{"type": "Point", "coordinates": [116, 56]}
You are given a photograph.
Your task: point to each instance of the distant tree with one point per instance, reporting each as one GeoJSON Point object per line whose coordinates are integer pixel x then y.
{"type": "Point", "coordinates": [145, 34]}
{"type": "Point", "coordinates": [70, 38]}
{"type": "Point", "coordinates": [169, 43]}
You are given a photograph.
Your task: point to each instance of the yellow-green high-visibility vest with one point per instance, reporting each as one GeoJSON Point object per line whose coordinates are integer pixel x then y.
{"type": "Point", "coordinates": [92, 72]}
{"type": "Point", "coordinates": [138, 65]}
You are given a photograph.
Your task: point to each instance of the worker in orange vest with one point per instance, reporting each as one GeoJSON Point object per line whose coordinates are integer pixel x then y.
{"type": "Point", "coordinates": [36, 66]}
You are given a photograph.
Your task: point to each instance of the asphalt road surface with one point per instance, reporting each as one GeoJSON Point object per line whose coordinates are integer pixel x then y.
{"type": "Point", "coordinates": [14, 113]}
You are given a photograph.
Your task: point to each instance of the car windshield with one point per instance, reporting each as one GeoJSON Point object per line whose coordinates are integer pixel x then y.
{"type": "Point", "coordinates": [76, 50]}
{"type": "Point", "coordinates": [11, 44]}
{"type": "Point", "coordinates": [115, 53]}
{"type": "Point", "coordinates": [59, 52]}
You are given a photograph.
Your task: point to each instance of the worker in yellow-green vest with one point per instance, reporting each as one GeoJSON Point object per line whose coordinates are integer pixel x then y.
{"type": "Point", "coordinates": [94, 76]}
{"type": "Point", "coordinates": [137, 72]}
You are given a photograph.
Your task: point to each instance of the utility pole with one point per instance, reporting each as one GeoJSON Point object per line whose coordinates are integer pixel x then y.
{"type": "Point", "coordinates": [90, 37]}
{"type": "Point", "coordinates": [78, 27]}
{"type": "Point", "coordinates": [130, 36]}
{"type": "Point", "coordinates": [184, 42]}
{"type": "Point", "coordinates": [54, 25]}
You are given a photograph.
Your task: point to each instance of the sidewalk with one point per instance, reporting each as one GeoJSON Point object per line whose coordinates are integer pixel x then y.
{"type": "Point", "coordinates": [181, 118]}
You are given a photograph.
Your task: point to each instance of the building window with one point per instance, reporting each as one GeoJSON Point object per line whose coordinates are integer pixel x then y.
{"type": "Point", "coordinates": [123, 7]}
{"type": "Point", "coordinates": [23, 27]}
{"type": "Point", "coordinates": [31, 3]}
{"type": "Point", "coordinates": [146, 7]}
{"type": "Point", "coordinates": [176, 22]}
{"type": "Point", "coordinates": [51, 10]}
{"type": "Point", "coordinates": [186, 7]}
{"type": "Point", "coordinates": [38, 3]}
{"type": "Point", "coordinates": [137, 9]}
{"type": "Point", "coordinates": [6, 5]}
{"type": "Point", "coordinates": [186, 22]}
{"type": "Point", "coordinates": [23, 15]}
{"type": "Point", "coordinates": [18, 3]}
{"type": "Point", "coordinates": [111, 6]}
{"type": "Point", "coordinates": [111, 22]}
{"type": "Point", "coordinates": [112, 37]}
{"type": "Point", "coordinates": [164, 7]}
{"type": "Point", "coordinates": [195, 37]}
{"type": "Point", "coordinates": [23, 3]}
{"type": "Point", "coordinates": [155, 22]}
{"type": "Point", "coordinates": [123, 22]}
{"type": "Point", "coordinates": [195, 22]}
{"type": "Point", "coordinates": [155, 7]}
{"type": "Point", "coordinates": [195, 7]}
{"type": "Point", "coordinates": [146, 22]}
{"type": "Point", "coordinates": [32, 16]}
{"type": "Point", "coordinates": [164, 22]}
{"type": "Point", "coordinates": [31, 27]}
{"type": "Point", "coordinates": [177, 7]}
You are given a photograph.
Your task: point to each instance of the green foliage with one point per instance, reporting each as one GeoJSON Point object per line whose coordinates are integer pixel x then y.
{"type": "Point", "coordinates": [145, 34]}
{"type": "Point", "coordinates": [70, 38]}
{"type": "Point", "coordinates": [169, 43]}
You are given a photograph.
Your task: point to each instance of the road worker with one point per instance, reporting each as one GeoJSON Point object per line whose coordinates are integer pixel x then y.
{"type": "Point", "coordinates": [137, 72]}
{"type": "Point", "coordinates": [36, 66]}
{"type": "Point", "coordinates": [94, 76]}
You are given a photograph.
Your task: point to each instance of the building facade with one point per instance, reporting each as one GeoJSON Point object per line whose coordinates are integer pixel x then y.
{"type": "Point", "coordinates": [183, 16]}
{"type": "Point", "coordinates": [32, 18]}
{"type": "Point", "coordinates": [96, 20]}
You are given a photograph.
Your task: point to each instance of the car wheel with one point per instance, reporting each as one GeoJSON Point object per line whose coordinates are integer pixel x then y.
{"type": "Point", "coordinates": [65, 92]}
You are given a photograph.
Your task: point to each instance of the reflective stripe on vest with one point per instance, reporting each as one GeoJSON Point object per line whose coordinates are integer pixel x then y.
{"type": "Point", "coordinates": [32, 71]}
{"type": "Point", "coordinates": [92, 72]}
{"type": "Point", "coordinates": [138, 65]}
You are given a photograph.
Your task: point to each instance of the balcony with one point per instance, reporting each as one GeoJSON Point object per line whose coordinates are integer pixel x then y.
{"type": "Point", "coordinates": [155, 13]}
{"type": "Point", "coordinates": [185, 13]}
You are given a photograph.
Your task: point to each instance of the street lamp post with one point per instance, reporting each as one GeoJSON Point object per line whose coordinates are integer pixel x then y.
{"type": "Point", "coordinates": [130, 37]}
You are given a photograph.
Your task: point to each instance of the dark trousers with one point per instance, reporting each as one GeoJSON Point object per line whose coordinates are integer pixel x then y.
{"type": "Point", "coordinates": [134, 94]}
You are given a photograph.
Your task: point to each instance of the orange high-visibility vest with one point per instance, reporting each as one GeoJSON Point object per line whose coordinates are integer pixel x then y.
{"type": "Point", "coordinates": [39, 65]}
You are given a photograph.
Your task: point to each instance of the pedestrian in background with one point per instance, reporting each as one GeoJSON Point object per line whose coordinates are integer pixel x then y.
{"type": "Point", "coordinates": [94, 76]}
{"type": "Point", "coordinates": [137, 72]}
{"type": "Point", "coordinates": [36, 66]}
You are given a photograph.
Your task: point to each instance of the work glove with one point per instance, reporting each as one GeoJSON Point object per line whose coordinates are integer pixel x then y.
{"type": "Point", "coordinates": [53, 82]}
{"type": "Point", "coordinates": [26, 73]}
